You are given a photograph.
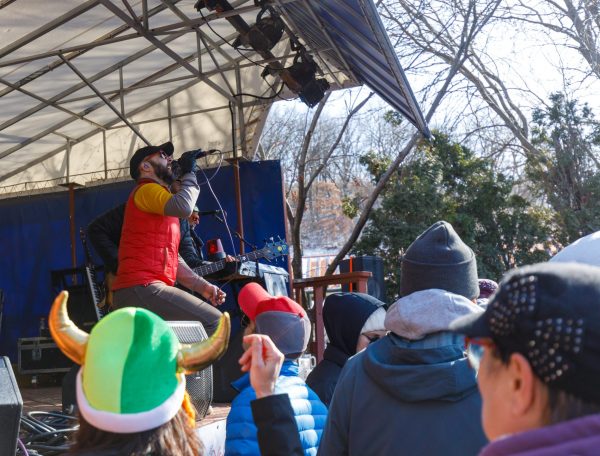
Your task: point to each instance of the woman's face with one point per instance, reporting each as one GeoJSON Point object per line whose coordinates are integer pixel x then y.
{"type": "Point", "coordinates": [494, 383]}
{"type": "Point", "coordinates": [366, 338]}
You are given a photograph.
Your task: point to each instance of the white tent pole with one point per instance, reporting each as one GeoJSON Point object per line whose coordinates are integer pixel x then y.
{"type": "Point", "coordinates": [105, 155]}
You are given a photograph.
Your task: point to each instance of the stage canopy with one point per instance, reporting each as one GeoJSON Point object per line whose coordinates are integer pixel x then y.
{"type": "Point", "coordinates": [83, 84]}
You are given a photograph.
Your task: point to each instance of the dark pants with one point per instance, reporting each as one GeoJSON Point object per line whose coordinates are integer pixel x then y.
{"type": "Point", "coordinates": [169, 303]}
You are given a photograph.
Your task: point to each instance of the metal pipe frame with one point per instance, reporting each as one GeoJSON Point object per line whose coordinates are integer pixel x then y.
{"type": "Point", "coordinates": [107, 102]}
{"type": "Point", "coordinates": [136, 26]}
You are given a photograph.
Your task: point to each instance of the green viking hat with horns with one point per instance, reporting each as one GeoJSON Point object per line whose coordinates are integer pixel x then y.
{"type": "Point", "coordinates": [132, 375]}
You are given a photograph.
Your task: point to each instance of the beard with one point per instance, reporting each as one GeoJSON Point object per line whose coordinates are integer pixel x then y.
{"type": "Point", "coordinates": [163, 172]}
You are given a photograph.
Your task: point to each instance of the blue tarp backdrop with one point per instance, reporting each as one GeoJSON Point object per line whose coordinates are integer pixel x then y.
{"type": "Point", "coordinates": [35, 235]}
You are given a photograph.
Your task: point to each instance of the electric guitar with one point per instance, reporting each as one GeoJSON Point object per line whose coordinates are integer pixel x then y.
{"type": "Point", "coordinates": [270, 251]}
{"type": "Point", "coordinates": [99, 296]}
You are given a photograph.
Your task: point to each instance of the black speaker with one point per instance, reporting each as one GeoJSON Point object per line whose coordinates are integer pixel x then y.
{"type": "Point", "coordinates": [227, 369]}
{"type": "Point", "coordinates": [199, 385]}
{"type": "Point", "coordinates": [69, 396]}
{"type": "Point", "coordinates": [81, 306]}
{"type": "Point", "coordinates": [11, 406]}
{"type": "Point", "coordinates": [373, 264]}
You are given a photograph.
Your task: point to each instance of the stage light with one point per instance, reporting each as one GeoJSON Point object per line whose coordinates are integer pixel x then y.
{"type": "Point", "coordinates": [303, 71]}
{"type": "Point", "coordinates": [314, 91]}
{"type": "Point", "coordinates": [264, 34]}
{"type": "Point", "coordinates": [208, 4]}
{"type": "Point", "coordinates": [300, 77]}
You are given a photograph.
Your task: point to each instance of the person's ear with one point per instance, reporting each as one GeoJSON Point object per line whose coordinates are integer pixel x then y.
{"type": "Point", "coordinates": [523, 385]}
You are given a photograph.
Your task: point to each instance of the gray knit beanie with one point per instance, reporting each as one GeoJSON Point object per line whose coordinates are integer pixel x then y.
{"type": "Point", "coordinates": [438, 258]}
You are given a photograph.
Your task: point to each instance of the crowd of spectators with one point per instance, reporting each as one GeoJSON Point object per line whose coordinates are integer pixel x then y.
{"type": "Point", "coordinates": [458, 365]}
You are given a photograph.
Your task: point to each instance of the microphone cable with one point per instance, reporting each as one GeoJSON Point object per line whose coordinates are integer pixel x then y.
{"type": "Point", "coordinates": [45, 433]}
{"type": "Point", "coordinates": [223, 213]}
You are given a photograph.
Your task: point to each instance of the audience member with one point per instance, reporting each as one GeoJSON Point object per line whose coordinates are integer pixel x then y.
{"type": "Point", "coordinates": [413, 391]}
{"type": "Point", "coordinates": [537, 347]}
{"type": "Point", "coordinates": [487, 287]}
{"type": "Point", "coordinates": [131, 385]}
{"type": "Point", "coordinates": [287, 324]}
{"type": "Point", "coordinates": [273, 413]}
{"type": "Point", "coordinates": [584, 250]}
{"type": "Point", "coordinates": [352, 321]}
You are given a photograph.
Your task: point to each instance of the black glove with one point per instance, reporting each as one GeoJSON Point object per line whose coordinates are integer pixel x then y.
{"type": "Point", "coordinates": [187, 161]}
{"type": "Point", "coordinates": [176, 169]}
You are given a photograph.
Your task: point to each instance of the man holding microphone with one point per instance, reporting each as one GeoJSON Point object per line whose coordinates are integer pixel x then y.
{"type": "Point", "coordinates": [149, 264]}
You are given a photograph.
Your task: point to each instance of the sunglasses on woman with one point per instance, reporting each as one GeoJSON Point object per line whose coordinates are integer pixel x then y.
{"type": "Point", "coordinates": [475, 348]}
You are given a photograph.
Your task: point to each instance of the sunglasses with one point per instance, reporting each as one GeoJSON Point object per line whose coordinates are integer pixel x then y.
{"type": "Point", "coordinates": [373, 337]}
{"type": "Point", "coordinates": [475, 348]}
{"type": "Point", "coordinates": [161, 155]}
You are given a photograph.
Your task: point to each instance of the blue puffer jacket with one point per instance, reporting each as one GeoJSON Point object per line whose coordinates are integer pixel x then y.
{"type": "Point", "coordinates": [309, 411]}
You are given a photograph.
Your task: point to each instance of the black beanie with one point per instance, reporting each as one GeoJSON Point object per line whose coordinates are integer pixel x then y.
{"type": "Point", "coordinates": [438, 258]}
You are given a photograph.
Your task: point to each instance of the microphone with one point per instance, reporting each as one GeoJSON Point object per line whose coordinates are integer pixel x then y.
{"type": "Point", "coordinates": [203, 153]}
{"type": "Point", "coordinates": [214, 212]}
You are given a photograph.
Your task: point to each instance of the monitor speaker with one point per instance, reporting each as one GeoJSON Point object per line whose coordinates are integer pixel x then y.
{"type": "Point", "coordinates": [227, 369]}
{"type": "Point", "coordinates": [82, 294]}
{"type": "Point", "coordinates": [199, 385]}
{"type": "Point", "coordinates": [69, 397]}
{"type": "Point", "coordinates": [11, 406]}
{"type": "Point", "coordinates": [81, 308]}
{"type": "Point", "coordinates": [373, 264]}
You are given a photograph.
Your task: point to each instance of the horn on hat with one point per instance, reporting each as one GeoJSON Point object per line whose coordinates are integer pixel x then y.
{"type": "Point", "coordinates": [71, 340]}
{"type": "Point", "coordinates": [197, 356]}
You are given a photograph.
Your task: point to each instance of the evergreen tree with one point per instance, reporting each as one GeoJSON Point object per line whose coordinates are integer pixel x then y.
{"type": "Point", "coordinates": [445, 181]}
{"type": "Point", "coordinates": [565, 173]}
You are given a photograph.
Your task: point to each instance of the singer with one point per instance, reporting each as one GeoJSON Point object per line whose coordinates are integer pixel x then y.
{"type": "Point", "coordinates": [149, 263]}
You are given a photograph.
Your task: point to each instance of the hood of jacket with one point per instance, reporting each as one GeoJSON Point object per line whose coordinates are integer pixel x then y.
{"type": "Point", "coordinates": [433, 368]}
{"type": "Point", "coordinates": [427, 312]}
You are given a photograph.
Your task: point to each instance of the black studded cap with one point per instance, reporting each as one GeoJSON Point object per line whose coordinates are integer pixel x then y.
{"type": "Point", "coordinates": [550, 313]}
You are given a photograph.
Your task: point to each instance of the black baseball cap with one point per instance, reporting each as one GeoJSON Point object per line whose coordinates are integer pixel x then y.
{"type": "Point", "coordinates": [549, 313]}
{"type": "Point", "coordinates": [144, 152]}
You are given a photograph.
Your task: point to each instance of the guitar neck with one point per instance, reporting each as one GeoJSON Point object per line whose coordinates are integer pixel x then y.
{"type": "Point", "coordinates": [86, 248]}
{"type": "Point", "coordinates": [211, 268]}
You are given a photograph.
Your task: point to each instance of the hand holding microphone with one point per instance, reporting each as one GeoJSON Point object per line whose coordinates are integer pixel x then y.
{"type": "Point", "coordinates": [187, 161]}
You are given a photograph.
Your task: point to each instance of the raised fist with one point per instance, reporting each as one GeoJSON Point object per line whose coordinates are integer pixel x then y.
{"type": "Point", "coordinates": [187, 161]}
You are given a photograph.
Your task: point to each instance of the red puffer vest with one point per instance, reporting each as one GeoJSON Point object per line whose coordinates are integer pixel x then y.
{"type": "Point", "coordinates": [148, 248]}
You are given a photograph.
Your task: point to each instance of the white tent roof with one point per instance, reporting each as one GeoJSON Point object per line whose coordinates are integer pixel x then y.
{"type": "Point", "coordinates": [84, 84]}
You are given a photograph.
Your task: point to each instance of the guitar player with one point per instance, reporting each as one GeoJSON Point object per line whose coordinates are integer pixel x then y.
{"type": "Point", "coordinates": [190, 246]}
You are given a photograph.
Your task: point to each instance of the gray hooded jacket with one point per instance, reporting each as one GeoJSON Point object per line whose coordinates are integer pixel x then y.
{"type": "Point", "coordinates": [406, 397]}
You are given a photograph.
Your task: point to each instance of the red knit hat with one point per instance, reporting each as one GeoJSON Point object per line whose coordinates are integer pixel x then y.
{"type": "Point", "coordinates": [279, 317]}
{"type": "Point", "coordinates": [254, 300]}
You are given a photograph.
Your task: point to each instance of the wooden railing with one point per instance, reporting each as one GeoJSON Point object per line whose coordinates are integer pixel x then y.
{"type": "Point", "coordinates": [357, 281]}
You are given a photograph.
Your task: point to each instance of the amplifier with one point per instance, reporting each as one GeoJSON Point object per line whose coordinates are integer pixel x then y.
{"type": "Point", "coordinates": [11, 405]}
{"type": "Point", "coordinates": [199, 385]}
{"type": "Point", "coordinates": [39, 355]}
{"type": "Point", "coordinates": [373, 264]}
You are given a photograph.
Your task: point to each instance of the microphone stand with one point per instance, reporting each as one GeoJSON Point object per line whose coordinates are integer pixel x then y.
{"type": "Point", "coordinates": [253, 247]}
